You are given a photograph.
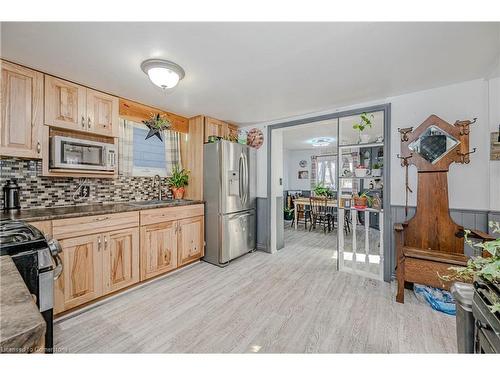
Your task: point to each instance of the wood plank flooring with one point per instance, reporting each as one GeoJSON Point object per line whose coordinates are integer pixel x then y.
{"type": "Point", "coordinates": [290, 302]}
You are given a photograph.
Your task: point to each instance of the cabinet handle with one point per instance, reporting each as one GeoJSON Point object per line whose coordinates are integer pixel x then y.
{"type": "Point", "coordinates": [38, 147]}
{"type": "Point", "coordinates": [83, 122]}
{"type": "Point", "coordinates": [101, 218]}
{"type": "Point", "coordinates": [99, 244]}
{"type": "Point", "coordinates": [105, 242]}
{"type": "Point", "coordinates": [88, 122]}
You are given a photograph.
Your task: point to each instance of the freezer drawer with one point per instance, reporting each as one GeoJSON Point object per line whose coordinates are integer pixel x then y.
{"type": "Point", "coordinates": [238, 235]}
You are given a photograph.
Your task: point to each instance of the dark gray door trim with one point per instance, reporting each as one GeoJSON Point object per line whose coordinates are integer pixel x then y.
{"type": "Point", "coordinates": [386, 108]}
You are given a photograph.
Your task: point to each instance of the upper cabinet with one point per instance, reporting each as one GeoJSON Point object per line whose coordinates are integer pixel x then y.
{"type": "Point", "coordinates": [21, 117]}
{"type": "Point", "coordinates": [74, 107]}
{"type": "Point", "coordinates": [102, 113]}
{"type": "Point", "coordinates": [221, 129]}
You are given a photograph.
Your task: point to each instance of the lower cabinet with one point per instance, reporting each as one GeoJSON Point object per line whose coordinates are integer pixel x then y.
{"type": "Point", "coordinates": [94, 265]}
{"type": "Point", "coordinates": [120, 259]}
{"type": "Point", "coordinates": [81, 279]}
{"type": "Point", "coordinates": [158, 249]}
{"type": "Point", "coordinates": [191, 239]}
{"type": "Point", "coordinates": [171, 244]}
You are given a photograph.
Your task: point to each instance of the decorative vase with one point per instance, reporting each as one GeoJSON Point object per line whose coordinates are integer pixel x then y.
{"type": "Point", "coordinates": [178, 192]}
{"type": "Point", "coordinates": [364, 138]}
{"type": "Point", "coordinates": [377, 172]}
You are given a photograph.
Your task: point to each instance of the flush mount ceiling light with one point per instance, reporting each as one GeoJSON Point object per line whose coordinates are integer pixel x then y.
{"type": "Point", "coordinates": [321, 142]}
{"type": "Point", "coordinates": [163, 73]}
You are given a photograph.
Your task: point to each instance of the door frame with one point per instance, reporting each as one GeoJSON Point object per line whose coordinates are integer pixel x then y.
{"type": "Point", "coordinates": [386, 109]}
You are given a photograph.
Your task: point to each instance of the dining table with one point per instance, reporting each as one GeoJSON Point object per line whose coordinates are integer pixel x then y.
{"type": "Point", "coordinates": [302, 202]}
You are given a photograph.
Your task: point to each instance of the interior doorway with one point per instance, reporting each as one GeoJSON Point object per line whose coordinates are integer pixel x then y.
{"type": "Point", "coordinates": [328, 180]}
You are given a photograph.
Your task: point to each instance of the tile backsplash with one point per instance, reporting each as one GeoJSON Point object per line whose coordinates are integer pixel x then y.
{"type": "Point", "coordinates": [39, 191]}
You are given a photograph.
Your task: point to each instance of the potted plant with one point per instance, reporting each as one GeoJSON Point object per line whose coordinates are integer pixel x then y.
{"type": "Point", "coordinates": [364, 122]}
{"type": "Point", "coordinates": [377, 170]}
{"type": "Point", "coordinates": [362, 200]}
{"type": "Point", "coordinates": [485, 267]}
{"type": "Point", "coordinates": [288, 213]}
{"type": "Point", "coordinates": [320, 190]}
{"type": "Point", "coordinates": [178, 181]}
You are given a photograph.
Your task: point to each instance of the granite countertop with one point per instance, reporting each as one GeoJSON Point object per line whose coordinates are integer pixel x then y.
{"type": "Point", "coordinates": [53, 213]}
{"type": "Point", "coordinates": [22, 327]}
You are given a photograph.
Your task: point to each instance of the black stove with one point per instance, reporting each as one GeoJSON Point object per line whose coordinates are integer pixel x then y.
{"type": "Point", "coordinates": [37, 260]}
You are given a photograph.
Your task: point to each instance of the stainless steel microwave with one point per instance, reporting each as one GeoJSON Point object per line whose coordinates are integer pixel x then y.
{"type": "Point", "coordinates": [81, 154]}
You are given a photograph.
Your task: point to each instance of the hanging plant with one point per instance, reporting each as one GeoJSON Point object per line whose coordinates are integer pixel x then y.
{"type": "Point", "coordinates": [157, 123]}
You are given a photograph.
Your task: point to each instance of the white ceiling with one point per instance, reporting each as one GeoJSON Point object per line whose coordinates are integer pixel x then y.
{"type": "Point", "coordinates": [255, 72]}
{"type": "Point", "coordinates": [299, 137]}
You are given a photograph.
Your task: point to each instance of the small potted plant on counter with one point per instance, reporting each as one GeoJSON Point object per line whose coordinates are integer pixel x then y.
{"type": "Point", "coordinates": [178, 181]}
{"type": "Point", "coordinates": [360, 126]}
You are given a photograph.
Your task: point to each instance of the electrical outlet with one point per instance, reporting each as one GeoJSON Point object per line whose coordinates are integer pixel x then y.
{"type": "Point", "coordinates": [85, 191]}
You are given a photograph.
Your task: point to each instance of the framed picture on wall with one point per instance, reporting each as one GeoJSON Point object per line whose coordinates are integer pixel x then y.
{"type": "Point", "coordinates": [303, 175]}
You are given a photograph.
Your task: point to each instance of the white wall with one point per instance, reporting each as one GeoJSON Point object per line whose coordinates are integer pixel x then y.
{"type": "Point", "coordinates": [469, 184]}
{"type": "Point", "coordinates": [293, 157]}
{"type": "Point", "coordinates": [494, 104]}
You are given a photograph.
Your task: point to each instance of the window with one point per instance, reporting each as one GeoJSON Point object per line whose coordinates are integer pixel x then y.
{"type": "Point", "coordinates": [148, 154]}
{"type": "Point", "coordinates": [326, 171]}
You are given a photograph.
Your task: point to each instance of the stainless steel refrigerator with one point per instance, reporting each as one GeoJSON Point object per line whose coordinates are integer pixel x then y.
{"type": "Point", "coordinates": [229, 192]}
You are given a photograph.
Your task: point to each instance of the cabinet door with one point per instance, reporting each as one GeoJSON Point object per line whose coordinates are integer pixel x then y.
{"type": "Point", "coordinates": [120, 262]}
{"type": "Point", "coordinates": [213, 127]}
{"type": "Point", "coordinates": [65, 104]}
{"type": "Point", "coordinates": [102, 113]}
{"type": "Point", "coordinates": [21, 118]}
{"type": "Point", "coordinates": [158, 249]}
{"type": "Point", "coordinates": [81, 278]}
{"type": "Point", "coordinates": [191, 234]}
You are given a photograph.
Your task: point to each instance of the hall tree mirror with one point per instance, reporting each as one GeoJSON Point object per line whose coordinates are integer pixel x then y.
{"type": "Point", "coordinates": [141, 157]}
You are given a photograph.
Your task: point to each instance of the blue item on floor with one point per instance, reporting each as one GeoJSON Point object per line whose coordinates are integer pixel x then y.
{"type": "Point", "coordinates": [438, 299]}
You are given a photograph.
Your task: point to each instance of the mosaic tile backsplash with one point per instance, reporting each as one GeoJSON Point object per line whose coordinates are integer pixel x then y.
{"type": "Point", "coordinates": [38, 191]}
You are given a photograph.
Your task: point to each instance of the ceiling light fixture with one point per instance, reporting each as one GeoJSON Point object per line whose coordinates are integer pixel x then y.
{"type": "Point", "coordinates": [321, 142]}
{"type": "Point", "coordinates": [163, 73]}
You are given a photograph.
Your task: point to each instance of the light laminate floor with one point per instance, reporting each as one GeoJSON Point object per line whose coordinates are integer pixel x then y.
{"type": "Point", "coordinates": [290, 302]}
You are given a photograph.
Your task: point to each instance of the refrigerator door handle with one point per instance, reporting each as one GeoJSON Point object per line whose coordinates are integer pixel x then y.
{"type": "Point", "coordinates": [246, 179]}
{"type": "Point", "coordinates": [240, 178]}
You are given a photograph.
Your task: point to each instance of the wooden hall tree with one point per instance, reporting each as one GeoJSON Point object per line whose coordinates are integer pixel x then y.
{"type": "Point", "coordinates": [431, 242]}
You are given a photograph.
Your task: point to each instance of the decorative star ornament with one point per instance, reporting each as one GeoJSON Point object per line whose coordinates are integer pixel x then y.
{"type": "Point", "coordinates": [153, 131]}
{"type": "Point", "coordinates": [157, 124]}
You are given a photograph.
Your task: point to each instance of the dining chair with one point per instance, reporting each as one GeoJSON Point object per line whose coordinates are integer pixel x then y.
{"type": "Point", "coordinates": [320, 213]}
{"type": "Point", "coordinates": [303, 214]}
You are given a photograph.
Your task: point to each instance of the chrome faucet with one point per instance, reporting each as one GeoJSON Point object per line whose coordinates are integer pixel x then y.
{"type": "Point", "coordinates": [159, 185]}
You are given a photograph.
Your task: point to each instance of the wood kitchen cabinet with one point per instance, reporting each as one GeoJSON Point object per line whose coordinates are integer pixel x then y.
{"type": "Point", "coordinates": [81, 279]}
{"type": "Point", "coordinates": [158, 249]}
{"type": "Point", "coordinates": [213, 127]}
{"type": "Point", "coordinates": [220, 129]}
{"type": "Point", "coordinates": [21, 118]}
{"type": "Point", "coordinates": [100, 255]}
{"type": "Point", "coordinates": [75, 107]}
{"type": "Point", "coordinates": [120, 265]}
{"type": "Point", "coordinates": [190, 239]}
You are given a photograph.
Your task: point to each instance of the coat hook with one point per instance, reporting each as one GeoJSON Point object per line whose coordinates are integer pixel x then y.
{"type": "Point", "coordinates": [465, 159]}
{"type": "Point", "coordinates": [404, 159]}
{"type": "Point", "coordinates": [464, 125]}
{"type": "Point", "coordinates": [404, 133]}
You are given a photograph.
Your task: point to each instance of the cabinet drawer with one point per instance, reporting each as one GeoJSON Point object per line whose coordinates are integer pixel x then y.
{"type": "Point", "coordinates": [74, 227]}
{"type": "Point", "coordinates": [160, 215]}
